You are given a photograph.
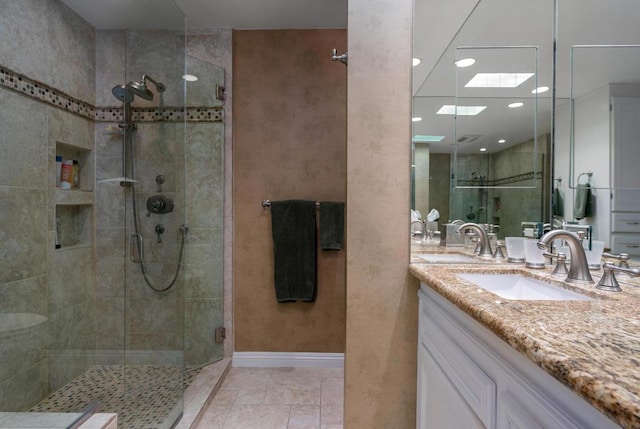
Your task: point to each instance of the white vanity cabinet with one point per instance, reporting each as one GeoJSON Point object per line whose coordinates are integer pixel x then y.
{"type": "Point", "coordinates": [470, 378]}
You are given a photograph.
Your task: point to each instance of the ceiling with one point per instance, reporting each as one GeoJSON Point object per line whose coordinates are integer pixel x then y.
{"type": "Point", "coordinates": [441, 28]}
{"type": "Point", "coordinates": [238, 14]}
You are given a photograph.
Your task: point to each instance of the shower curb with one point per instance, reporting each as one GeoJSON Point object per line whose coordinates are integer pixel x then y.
{"type": "Point", "coordinates": [201, 392]}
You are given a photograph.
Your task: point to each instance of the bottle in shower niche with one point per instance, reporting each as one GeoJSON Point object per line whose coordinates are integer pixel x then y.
{"type": "Point", "coordinates": [58, 170]}
{"type": "Point", "coordinates": [66, 174]}
{"type": "Point", "coordinates": [76, 175]}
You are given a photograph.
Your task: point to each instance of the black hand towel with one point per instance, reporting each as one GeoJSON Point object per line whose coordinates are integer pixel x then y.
{"type": "Point", "coordinates": [582, 206]}
{"type": "Point", "coordinates": [331, 225]}
{"type": "Point", "coordinates": [293, 226]}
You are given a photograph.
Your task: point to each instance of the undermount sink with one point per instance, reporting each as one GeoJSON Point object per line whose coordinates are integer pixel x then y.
{"type": "Point", "coordinates": [447, 258]}
{"type": "Point", "coordinates": [519, 287]}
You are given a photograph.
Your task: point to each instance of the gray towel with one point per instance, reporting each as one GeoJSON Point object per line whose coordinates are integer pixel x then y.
{"type": "Point", "coordinates": [331, 225]}
{"type": "Point", "coordinates": [293, 226]}
{"type": "Point", "coordinates": [558, 203]}
{"type": "Point", "coordinates": [582, 206]}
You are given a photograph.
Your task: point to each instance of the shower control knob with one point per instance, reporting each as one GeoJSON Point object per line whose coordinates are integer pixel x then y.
{"type": "Point", "coordinates": [159, 204]}
{"type": "Point", "coordinates": [159, 231]}
{"type": "Point", "coordinates": [160, 180]}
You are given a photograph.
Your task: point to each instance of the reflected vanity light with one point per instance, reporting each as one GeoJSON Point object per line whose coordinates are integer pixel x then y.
{"type": "Point", "coordinates": [416, 119]}
{"type": "Point", "coordinates": [502, 141]}
{"type": "Point", "coordinates": [498, 80]}
{"type": "Point", "coordinates": [190, 77]}
{"type": "Point", "coordinates": [515, 105]}
{"type": "Point", "coordinates": [540, 90]}
{"type": "Point", "coordinates": [416, 61]}
{"type": "Point", "coordinates": [465, 62]}
{"type": "Point", "coordinates": [449, 109]}
{"type": "Point", "coordinates": [483, 149]}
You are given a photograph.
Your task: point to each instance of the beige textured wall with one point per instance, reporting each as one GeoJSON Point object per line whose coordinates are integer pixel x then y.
{"type": "Point", "coordinates": [380, 367]}
{"type": "Point", "coordinates": [289, 142]}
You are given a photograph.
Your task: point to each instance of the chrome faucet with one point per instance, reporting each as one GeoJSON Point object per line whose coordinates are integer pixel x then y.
{"type": "Point", "coordinates": [484, 250]}
{"type": "Point", "coordinates": [579, 270]}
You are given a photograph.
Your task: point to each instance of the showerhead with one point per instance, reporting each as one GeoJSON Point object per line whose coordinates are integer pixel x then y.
{"type": "Point", "coordinates": [125, 93]}
{"type": "Point", "coordinates": [140, 89]}
{"type": "Point", "coordinates": [122, 93]}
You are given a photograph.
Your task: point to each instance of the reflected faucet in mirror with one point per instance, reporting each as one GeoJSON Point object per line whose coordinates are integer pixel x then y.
{"type": "Point", "coordinates": [484, 246]}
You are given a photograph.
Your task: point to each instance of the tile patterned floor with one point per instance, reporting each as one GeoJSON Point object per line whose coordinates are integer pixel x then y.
{"type": "Point", "coordinates": [149, 405]}
{"type": "Point", "coordinates": [278, 398]}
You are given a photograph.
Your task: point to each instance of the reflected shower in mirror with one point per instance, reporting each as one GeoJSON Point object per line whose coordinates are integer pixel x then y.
{"type": "Point", "coordinates": [475, 158]}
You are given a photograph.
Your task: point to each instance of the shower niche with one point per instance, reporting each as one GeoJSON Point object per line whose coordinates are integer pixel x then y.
{"type": "Point", "coordinates": [73, 208]}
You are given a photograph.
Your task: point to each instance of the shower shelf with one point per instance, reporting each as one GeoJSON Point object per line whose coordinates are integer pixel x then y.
{"type": "Point", "coordinates": [73, 197]}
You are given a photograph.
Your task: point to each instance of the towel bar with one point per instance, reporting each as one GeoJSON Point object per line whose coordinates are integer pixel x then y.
{"type": "Point", "coordinates": [267, 203]}
{"type": "Point", "coordinates": [586, 173]}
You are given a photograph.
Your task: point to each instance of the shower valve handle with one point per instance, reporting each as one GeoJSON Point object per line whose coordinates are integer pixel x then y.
{"type": "Point", "coordinates": [159, 204]}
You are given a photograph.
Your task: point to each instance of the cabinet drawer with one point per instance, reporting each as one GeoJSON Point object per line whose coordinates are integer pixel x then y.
{"type": "Point", "coordinates": [625, 222]}
{"type": "Point", "coordinates": [625, 243]}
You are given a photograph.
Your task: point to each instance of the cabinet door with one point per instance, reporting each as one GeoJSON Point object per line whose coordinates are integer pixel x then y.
{"type": "Point", "coordinates": [440, 406]}
{"type": "Point", "coordinates": [626, 152]}
{"type": "Point", "coordinates": [518, 409]}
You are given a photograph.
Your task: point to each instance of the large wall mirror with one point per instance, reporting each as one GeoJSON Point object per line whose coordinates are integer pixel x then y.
{"type": "Point", "coordinates": [593, 141]}
{"type": "Point", "coordinates": [482, 115]}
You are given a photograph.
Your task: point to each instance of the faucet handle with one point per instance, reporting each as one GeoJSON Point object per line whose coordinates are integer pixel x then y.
{"type": "Point", "coordinates": [498, 255]}
{"type": "Point", "coordinates": [608, 280]}
{"type": "Point", "coordinates": [560, 269]}
{"type": "Point", "coordinates": [622, 257]}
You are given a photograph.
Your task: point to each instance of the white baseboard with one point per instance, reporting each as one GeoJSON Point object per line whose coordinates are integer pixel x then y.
{"type": "Point", "coordinates": [288, 360]}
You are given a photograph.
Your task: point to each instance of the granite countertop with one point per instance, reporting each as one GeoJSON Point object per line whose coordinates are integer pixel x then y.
{"type": "Point", "coordinates": [593, 347]}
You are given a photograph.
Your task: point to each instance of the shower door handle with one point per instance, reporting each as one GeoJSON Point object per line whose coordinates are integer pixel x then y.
{"type": "Point", "coordinates": [135, 247]}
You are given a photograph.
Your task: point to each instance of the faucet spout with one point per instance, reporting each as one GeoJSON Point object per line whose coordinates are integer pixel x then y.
{"type": "Point", "coordinates": [485, 245]}
{"type": "Point", "coordinates": [579, 270]}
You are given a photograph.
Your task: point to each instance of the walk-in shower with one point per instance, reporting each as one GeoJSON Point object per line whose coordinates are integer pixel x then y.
{"type": "Point", "coordinates": [79, 324]}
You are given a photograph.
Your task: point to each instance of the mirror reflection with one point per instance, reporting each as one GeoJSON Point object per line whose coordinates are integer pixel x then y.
{"type": "Point", "coordinates": [475, 158]}
{"type": "Point", "coordinates": [597, 127]}
{"type": "Point", "coordinates": [592, 142]}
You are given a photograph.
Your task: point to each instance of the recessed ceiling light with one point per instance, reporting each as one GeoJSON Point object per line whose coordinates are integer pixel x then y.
{"type": "Point", "coordinates": [427, 139]}
{"type": "Point", "coordinates": [465, 62]}
{"type": "Point", "coordinates": [449, 109]}
{"type": "Point", "coordinates": [515, 105]}
{"type": "Point", "coordinates": [416, 61]}
{"type": "Point", "coordinates": [483, 149]}
{"type": "Point", "coordinates": [416, 119]}
{"type": "Point", "coordinates": [540, 90]}
{"type": "Point", "coordinates": [190, 77]}
{"type": "Point", "coordinates": [498, 80]}
{"type": "Point", "coordinates": [502, 141]}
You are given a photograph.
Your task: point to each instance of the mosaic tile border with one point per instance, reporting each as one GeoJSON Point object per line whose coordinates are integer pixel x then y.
{"type": "Point", "coordinates": [39, 91]}
{"type": "Point", "coordinates": [162, 114]}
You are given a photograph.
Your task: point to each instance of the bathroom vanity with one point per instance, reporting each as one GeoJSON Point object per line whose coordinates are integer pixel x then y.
{"type": "Point", "coordinates": [490, 362]}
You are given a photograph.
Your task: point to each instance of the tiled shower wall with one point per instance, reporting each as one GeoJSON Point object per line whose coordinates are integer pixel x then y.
{"type": "Point", "coordinates": [44, 40]}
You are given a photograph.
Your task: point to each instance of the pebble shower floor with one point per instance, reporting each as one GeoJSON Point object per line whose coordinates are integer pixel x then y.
{"type": "Point", "coordinates": [151, 395]}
